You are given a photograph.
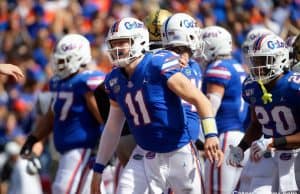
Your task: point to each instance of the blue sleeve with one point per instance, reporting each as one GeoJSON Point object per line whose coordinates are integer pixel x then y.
{"type": "Point", "coordinates": [167, 64]}
{"type": "Point", "coordinates": [109, 84]}
{"type": "Point", "coordinates": [294, 89]}
{"type": "Point", "coordinates": [247, 91]}
{"type": "Point", "coordinates": [89, 81]}
{"type": "Point", "coordinates": [218, 74]}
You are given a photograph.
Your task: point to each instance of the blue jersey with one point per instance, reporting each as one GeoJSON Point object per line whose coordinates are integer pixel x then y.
{"type": "Point", "coordinates": [74, 125]}
{"type": "Point", "coordinates": [154, 113]}
{"type": "Point", "coordinates": [193, 72]}
{"type": "Point", "coordinates": [281, 117]}
{"type": "Point", "coordinates": [233, 110]}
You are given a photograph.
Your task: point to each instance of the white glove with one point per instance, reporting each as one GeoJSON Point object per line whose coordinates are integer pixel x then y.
{"type": "Point", "coordinates": [33, 165]}
{"type": "Point", "coordinates": [259, 147]}
{"type": "Point", "coordinates": [236, 156]}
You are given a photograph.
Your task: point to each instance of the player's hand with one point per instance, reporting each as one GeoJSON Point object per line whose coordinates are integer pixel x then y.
{"type": "Point", "coordinates": [96, 182]}
{"type": "Point", "coordinates": [33, 165]}
{"type": "Point", "coordinates": [12, 70]}
{"type": "Point", "coordinates": [236, 156]}
{"type": "Point", "coordinates": [26, 150]}
{"type": "Point", "coordinates": [259, 147]}
{"type": "Point", "coordinates": [212, 150]}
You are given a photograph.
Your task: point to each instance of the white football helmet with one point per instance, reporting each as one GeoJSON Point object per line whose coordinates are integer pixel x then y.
{"type": "Point", "coordinates": [71, 52]}
{"type": "Point", "coordinates": [135, 31]}
{"type": "Point", "coordinates": [268, 57]}
{"type": "Point", "coordinates": [251, 37]}
{"type": "Point", "coordinates": [180, 30]}
{"type": "Point", "coordinates": [217, 42]}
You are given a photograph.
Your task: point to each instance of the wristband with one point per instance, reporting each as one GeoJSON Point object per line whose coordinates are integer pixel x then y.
{"type": "Point", "coordinates": [279, 142]}
{"type": "Point", "coordinates": [98, 168]}
{"type": "Point", "coordinates": [209, 127]}
{"type": "Point", "coordinates": [31, 139]}
{"type": "Point", "coordinates": [243, 145]}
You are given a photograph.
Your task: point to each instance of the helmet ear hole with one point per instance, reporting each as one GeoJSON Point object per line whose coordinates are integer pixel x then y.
{"type": "Point", "coordinates": [283, 61]}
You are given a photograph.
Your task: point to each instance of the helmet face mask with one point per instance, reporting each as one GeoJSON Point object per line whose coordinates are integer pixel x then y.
{"type": "Point", "coordinates": [71, 52]}
{"type": "Point", "coordinates": [133, 32]}
{"type": "Point", "coordinates": [262, 67]}
{"type": "Point", "coordinates": [268, 57]}
{"type": "Point", "coordinates": [120, 51]}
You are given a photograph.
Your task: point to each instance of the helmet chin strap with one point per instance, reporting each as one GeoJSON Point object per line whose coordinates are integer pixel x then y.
{"type": "Point", "coordinates": [266, 97]}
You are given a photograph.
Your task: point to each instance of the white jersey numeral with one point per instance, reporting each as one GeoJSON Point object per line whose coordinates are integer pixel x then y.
{"type": "Point", "coordinates": [281, 115]}
{"type": "Point", "coordinates": [68, 100]}
{"type": "Point", "coordinates": [138, 98]}
{"type": "Point", "coordinates": [198, 85]}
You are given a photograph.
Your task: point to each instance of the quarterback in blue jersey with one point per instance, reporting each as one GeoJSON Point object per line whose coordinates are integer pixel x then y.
{"type": "Point", "coordinates": [273, 95]}
{"type": "Point", "coordinates": [73, 115]}
{"type": "Point", "coordinates": [222, 84]}
{"type": "Point", "coordinates": [146, 90]}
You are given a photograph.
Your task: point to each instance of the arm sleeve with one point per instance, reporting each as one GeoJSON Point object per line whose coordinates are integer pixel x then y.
{"type": "Point", "coordinates": [169, 68]}
{"type": "Point", "coordinates": [111, 135]}
{"type": "Point", "coordinates": [216, 100]}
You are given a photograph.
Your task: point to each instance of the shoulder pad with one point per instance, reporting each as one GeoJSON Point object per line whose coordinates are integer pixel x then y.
{"type": "Point", "coordinates": [248, 81]}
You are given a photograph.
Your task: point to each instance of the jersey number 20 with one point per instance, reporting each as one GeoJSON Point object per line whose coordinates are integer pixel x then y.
{"type": "Point", "coordinates": [282, 116]}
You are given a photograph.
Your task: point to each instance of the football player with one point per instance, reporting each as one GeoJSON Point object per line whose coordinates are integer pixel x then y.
{"type": "Point", "coordinates": [146, 89]}
{"type": "Point", "coordinates": [222, 83]}
{"type": "Point", "coordinates": [272, 92]}
{"type": "Point", "coordinates": [73, 115]}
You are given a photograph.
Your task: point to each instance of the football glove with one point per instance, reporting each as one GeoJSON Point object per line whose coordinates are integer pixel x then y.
{"type": "Point", "coordinates": [236, 156]}
{"type": "Point", "coordinates": [33, 165]}
{"type": "Point", "coordinates": [259, 148]}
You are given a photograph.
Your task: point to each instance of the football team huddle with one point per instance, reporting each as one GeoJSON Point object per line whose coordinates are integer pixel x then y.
{"type": "Point", "coordinates": [180, 113]}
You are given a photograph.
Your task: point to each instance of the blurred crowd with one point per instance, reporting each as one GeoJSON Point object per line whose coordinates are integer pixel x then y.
{"type": "Point", "coordinates": [29, 30]}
